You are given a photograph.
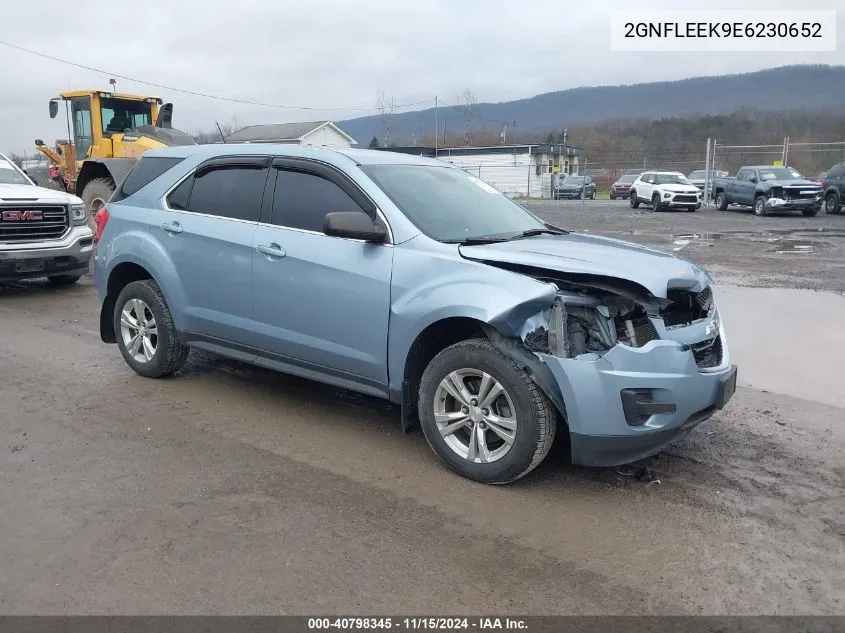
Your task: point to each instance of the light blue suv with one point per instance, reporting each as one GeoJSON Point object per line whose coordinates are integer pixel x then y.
{"type": "Point", "coordinates": [411, 280]}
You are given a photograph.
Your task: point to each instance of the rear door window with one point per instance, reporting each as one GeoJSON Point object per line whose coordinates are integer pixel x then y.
{"type": "Point", "coordinates": [231, 191]}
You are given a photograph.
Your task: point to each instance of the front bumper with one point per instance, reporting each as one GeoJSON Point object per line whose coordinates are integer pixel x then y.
{"type": "Point", "coordinates": [69, 255]}
{"type": "Point", "coordinates": [681, 200]}
{"type": "Point", "coordinates": [569, 194]}
{"type": "Point", "coordinates": [783, 204]}
{"type": "Point", "coordinates": [620, 193]}
{"type": "Point", "coordinates": [679, 395]}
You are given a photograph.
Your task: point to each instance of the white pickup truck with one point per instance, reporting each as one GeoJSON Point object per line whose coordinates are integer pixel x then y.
{"type": "Point", "coordinates": [43, 232]}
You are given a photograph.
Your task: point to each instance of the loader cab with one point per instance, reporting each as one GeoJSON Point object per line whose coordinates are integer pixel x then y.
{"type": "Point", "coordinates": [95, 116]}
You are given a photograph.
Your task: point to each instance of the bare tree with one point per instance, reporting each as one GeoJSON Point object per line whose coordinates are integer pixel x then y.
{"type": "Point", "coordinates": [386, 107]}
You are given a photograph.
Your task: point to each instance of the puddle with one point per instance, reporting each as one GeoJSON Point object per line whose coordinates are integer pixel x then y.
{"type": "Point", "coordinates": [782, 241]}
{"type": "Point", "coordinates": [775, 354]}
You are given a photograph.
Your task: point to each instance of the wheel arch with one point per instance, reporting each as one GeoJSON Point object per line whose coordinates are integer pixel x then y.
{"type": "Point", "coordinates": [121, 275]}
{"type": "Point", "coordinates": [447, 331]}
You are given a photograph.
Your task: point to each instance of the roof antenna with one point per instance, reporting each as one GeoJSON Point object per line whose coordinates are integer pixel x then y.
{"type": "Point", "coordinates": [219, 129]}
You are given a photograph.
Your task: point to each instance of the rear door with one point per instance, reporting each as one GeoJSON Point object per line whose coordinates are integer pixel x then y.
{"type": "Point", "coordinates": [207, 230]}
{"type": "Point", "coordinates": [320, 301]}
{"type": "Point", "coordinates": [646, 187]}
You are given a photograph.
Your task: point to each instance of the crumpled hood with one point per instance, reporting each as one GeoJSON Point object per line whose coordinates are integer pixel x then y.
{"type": "Point", "coordinates": [30, 193]}
{"type": "Point", "coordinates": [793, 183]}
{"type": "Point", "coordinates": [582, 254]}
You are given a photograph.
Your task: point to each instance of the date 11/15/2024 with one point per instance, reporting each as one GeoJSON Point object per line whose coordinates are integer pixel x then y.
{"type": "Point", "coordinates": [416, 624]}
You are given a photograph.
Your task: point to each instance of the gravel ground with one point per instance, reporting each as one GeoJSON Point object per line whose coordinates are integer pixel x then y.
{"type": "Point", "coordinates": [235, 490]}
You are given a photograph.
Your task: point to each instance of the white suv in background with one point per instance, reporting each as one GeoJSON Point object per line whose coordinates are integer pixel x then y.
{"type": "Point", "coordinates": [665, 190]}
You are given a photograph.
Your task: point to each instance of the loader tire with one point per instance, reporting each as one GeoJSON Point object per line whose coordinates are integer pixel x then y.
{"type": "Point", "coordinates": [95, 195]}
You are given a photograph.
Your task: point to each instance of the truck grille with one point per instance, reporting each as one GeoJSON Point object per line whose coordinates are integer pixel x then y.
{"type": "Point", "coordinates": [802, 193]}
{"type": "Point", "coordinates": [31, 223]}
{"type": "Point", "coordinates": [708, 354]}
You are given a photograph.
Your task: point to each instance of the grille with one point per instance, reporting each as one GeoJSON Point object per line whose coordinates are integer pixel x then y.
{"type": "Point", "coordinates": [801, 193]}
{"type": "Point", "coordinates": [705, 298]}
{"type": "Point", "coordinates": [708, 354]}
{"type": "Point", "coordinates": [52, 224]}
{"type": "Point", "coordinates": [686, 198]}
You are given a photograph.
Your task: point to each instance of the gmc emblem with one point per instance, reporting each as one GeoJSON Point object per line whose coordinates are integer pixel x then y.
{"type": "Point", "coordinates": [22, 216]}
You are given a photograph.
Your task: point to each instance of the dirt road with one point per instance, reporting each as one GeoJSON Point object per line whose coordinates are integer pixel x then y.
{"type": "Point", "coordinates": [235, 490]}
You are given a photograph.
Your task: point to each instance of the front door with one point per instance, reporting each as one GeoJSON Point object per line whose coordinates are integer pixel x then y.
{"type": "Point", "coordinates": [320, 301]}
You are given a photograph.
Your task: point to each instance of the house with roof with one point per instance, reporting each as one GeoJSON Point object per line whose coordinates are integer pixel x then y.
{"type": "Point", "coordinates": [302, 133]}
{"type": "Point", "coordinates": [525, 171]}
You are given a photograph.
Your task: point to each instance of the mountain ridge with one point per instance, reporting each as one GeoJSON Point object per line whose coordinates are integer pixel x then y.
{"type": "Point", "coordinates": [792, 87]}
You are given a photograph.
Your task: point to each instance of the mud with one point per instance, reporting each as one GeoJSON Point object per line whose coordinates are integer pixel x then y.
{"type": "Point", "coordinates": [236, 490]}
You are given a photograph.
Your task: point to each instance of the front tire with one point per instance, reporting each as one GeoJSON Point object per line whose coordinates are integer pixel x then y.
{"type": "Point", "coordinates": [633, 200]}
{"type": "Point", "coordinates": [146, 336]}
{"type": "Point", "coordinates": [483, 415]}
{"type": "Point", "coordinates": [655, 202]}
{"type": "Point", "coordinates": [832, 203]}
{"type": "Point", "coordinates": [95, 195]}
{"type": "Point", "coordinates": [760, 205]}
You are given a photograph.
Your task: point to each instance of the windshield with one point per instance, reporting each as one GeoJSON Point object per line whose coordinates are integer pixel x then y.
{"type": "Point", "coordinates": [450, 205]}
{"type": "Point", "coordinates": [124, 114]}
{"type": "Point", "coordinates": [11, 176]}
{"type": "Point", "coordinates": [573, 180]}
{"type": "Point", "coordinates": [780, 173]}
{"type": "Point", "coordinates": [629, 178]}
{"type": "Point", "coordinates": [671, 179]}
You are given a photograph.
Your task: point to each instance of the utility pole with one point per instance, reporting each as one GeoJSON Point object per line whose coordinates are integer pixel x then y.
{"type": "Point", "coordinates": [435, 126]}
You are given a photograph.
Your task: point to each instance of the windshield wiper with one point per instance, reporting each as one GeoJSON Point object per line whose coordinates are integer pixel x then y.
{"type": "Point", "coordinates": [546, 231]}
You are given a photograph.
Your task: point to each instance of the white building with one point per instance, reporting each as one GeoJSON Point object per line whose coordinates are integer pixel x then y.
{"type": "Point", "coordinates": [304, 133]}
{"type": "Point", "coordinates": [525, 171]}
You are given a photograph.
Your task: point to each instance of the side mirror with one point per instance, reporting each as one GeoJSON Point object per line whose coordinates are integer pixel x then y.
{"type": "Point", "coordinates": [752, 180]}
{"type": "Point", "coordinates": [54, 108]}
{"type": "Point", "coordinates": [355, 225]}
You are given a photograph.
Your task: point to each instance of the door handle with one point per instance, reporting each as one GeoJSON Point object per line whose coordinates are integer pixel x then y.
{"type": "Point", "coordinates": [271, 251]}
{"type": "Point", "coordinates": [172, 227]}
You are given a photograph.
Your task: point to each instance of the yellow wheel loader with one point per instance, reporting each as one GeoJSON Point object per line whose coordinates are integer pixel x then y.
{"type": "Point", "coordinates": [108, 132]}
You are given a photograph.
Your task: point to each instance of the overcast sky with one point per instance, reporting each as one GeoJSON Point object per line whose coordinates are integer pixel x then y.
{"type": "Point", "coordinates": [334, 54]}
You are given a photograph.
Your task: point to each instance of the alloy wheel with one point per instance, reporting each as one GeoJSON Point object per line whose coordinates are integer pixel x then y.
{"type": "Point", "coordinates": [138, 330]}
{"type": "Point", "coordinates": [475, 415]}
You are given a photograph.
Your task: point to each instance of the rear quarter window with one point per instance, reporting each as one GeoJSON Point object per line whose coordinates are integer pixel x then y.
{"type": "Point", "coordinates": [143, 173]}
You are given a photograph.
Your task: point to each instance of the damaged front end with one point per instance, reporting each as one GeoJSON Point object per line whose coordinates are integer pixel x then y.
{"type": "Point", "coordinates": [589, 321]}
{"type": "Point", "coordinates": [633, 372]}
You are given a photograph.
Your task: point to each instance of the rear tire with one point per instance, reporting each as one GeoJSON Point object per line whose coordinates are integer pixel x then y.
{"type": "Point", "coordinates": [155, 350]}
{"type": "Point", "coordinates": [95, 196]}
{"type": "Point", "coordinates": [633, 200]}
{"type": "Point", "coordinates": [721, 201]}
{"type": "Point", "coordinates": [63, 280]}
{"type": "Point", "coordinates": [521, 412]}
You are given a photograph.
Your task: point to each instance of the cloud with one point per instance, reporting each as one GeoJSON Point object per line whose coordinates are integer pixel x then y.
{"type": "Point", "coordinates": [329, 54]}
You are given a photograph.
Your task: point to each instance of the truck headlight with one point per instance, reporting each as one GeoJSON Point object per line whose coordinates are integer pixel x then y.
{"type": "Point", "coordinates": [78, 214]}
